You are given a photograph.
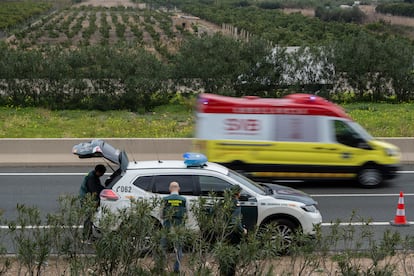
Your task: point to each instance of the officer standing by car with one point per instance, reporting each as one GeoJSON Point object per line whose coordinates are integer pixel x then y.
{"type": "Point", "coordinates": [91, 186]}
{"type": "Point", "coordinates": [173, 213]}
{"type": "Point", "coordinates": [236, 231]}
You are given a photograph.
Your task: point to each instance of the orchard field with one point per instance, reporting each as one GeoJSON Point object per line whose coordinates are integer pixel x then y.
{"type": "Point", "coordinates": [86, 25]}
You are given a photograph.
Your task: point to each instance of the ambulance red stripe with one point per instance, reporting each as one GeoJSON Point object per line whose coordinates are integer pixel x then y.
{"type": "Point", "coordinates": [295, 104]}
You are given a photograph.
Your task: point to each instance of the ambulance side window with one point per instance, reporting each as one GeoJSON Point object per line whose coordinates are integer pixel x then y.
{"type": "Point", "coordinates": [296, 128]}
{"type": "Point", "coordinates": [346, 135]}
{"type": "Point", "coordinates": [211, 184]}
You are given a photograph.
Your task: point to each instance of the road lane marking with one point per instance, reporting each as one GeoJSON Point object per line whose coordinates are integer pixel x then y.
{"type": "Point", "coordinates": [356, 223]}
{"type": "Point", "coordinates": [84, 173]}
{"type": "Point", "coordinates": [359, 195]}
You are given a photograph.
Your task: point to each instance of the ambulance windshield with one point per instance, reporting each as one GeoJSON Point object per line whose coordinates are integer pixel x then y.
{"type": "Point", "coordinates": [351, 134]}
{"type": "Point", "coordinates": [361, 131]}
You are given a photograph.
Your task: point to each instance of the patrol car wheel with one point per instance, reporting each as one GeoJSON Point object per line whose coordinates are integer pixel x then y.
{"type": "Point", "coordinates": [280, 232]}
{"type": "Point", "coordinates": [370, 177]}
{"type": "Point", "coordinates": [143, 244]}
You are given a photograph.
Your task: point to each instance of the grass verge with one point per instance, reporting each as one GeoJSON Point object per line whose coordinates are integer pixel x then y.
{"type": "Point", "coordinates": [171, 121]}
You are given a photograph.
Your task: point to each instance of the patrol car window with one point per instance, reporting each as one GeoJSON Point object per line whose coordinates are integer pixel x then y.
{"type": "Point", "coordinates": [162, 184]}
{"type": "Point", "coordinates": [211, 184]}
{"type": "Point", "coordinates": [255, 187]}
{"type": "Point", "coordinates": [144, 182]}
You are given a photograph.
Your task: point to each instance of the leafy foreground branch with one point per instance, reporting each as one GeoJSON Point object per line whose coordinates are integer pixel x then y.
{"type": "Point", "coordinates": [134, 248]}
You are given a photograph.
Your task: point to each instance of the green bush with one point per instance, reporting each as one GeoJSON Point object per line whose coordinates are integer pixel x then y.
{"type": "Point", "coordinates": [134, 247]}
{"type": "Point", "coordinates": [347, 15]}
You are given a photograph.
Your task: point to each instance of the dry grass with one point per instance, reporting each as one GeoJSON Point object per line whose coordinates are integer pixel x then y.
{"type": "Point", "coordinates": [319, 266]}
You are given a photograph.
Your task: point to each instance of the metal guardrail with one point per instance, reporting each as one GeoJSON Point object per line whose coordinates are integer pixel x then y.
{"type": "Point", "coordinates": [57, 152]}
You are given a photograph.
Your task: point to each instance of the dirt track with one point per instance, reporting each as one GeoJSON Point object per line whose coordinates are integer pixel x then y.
{"type": "Point", "coordinates": [110, 3]}
{"type": "Point", "coordinates": [369, 10]}
{"type": "Point", "coordinates": [373, 16]}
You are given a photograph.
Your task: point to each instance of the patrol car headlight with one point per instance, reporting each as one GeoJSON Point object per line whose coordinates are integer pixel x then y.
{"type": "Point", "coordinates": [310, 208]}
{"type": "Point", "coordinates": [391, 152]}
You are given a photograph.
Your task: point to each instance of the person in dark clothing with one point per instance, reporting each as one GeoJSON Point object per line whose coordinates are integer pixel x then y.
{"type": "Point", "coordinates": [91, 185]}
{"type": "Point", "coordinates": [173, 213]}
{"type": "Point", "coordinates": [236, 231]}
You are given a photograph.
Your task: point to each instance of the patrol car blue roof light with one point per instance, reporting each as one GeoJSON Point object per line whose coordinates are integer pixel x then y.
{"type": "Point", "coordinates": [194, 159]}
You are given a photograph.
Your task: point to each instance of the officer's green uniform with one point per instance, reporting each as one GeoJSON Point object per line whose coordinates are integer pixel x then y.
{"type": "Point", "coordinates": [174, 210]}
{"type": "Point", "coordinates": [173, 213]}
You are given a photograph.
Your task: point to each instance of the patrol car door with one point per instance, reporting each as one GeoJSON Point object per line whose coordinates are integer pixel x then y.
{"type": "Point", "coordinates": [211, 185]}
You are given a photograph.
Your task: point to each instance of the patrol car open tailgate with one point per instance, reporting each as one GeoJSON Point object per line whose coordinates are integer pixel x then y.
{"type": "Point", "coordinates": [98, 148]}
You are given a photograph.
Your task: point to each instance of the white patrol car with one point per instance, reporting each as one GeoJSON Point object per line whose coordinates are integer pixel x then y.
{"type": "Point", "coordinates": [262, 204]}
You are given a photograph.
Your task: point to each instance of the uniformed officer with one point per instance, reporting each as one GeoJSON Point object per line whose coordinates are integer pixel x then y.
{"type": "Point", "coordinates": [91, 185]}
{"type": "Point", "coordinates": [237, 228]}
{"type": "Point", "coordinates": [173, 214]}
{"type": "Point", "coordinates": [235, 231]}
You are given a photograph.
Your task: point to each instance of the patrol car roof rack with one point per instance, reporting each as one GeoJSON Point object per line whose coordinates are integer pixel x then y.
{"type": "Point", "coordinates": [194, 159]}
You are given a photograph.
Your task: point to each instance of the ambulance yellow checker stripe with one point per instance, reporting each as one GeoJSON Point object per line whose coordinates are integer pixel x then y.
{"type": "Point", "coordinates": [303, 175]}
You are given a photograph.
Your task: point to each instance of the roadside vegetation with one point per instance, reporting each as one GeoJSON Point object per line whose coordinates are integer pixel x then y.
{"type": "Point", "coordinates": [164, 122]}
{"type": "Point", "coordinates": [134, 248]}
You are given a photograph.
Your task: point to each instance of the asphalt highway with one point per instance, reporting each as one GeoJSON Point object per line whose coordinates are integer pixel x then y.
{"type": "Point", "coordinates": [42, 186]}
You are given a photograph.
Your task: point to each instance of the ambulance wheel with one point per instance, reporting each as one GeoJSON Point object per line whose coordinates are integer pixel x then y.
{"type": "Point", "coordinates": [370, 177]}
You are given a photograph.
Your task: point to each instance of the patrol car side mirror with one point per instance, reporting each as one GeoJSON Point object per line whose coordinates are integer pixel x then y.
{"type": "Point", "coordinates": [244, 197]}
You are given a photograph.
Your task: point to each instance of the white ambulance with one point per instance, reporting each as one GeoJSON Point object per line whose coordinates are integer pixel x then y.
{"type": "Point", "coordinates": [300, 137]}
